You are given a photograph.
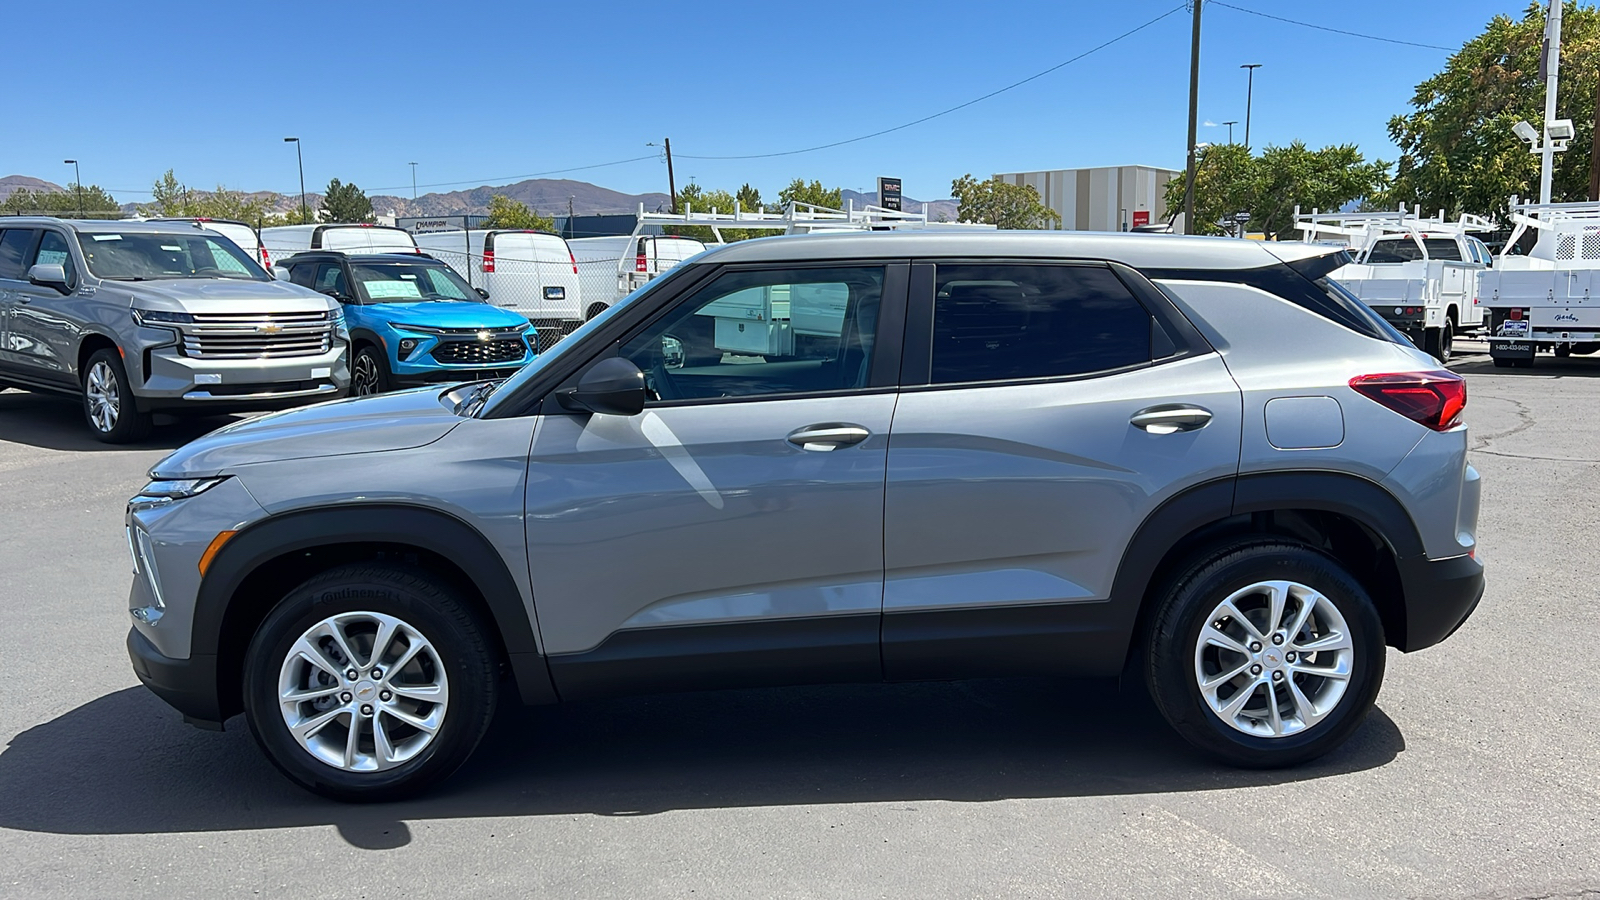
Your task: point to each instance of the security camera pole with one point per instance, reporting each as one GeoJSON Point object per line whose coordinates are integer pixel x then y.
{"type": "Point", "coordinates": [1194, 108]}
{"type": "Point", "coordinates": [1552, 56]}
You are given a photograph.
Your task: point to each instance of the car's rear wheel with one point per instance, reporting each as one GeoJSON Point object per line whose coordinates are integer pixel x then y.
{"type": "Point", "coordinates": [1441, 341]}
{"type": "Point", "coordinates": [369, 683]}
{"type": "Point", "coordinates": [108, 404]}
{"type": "Point", "coordinates": [1266, 654]}
{"type": "Point", "coordinates": [369, 374]}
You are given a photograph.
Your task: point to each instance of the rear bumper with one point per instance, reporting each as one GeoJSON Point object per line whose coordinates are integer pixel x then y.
{"type": "Point", "coordinates": [187, 685]}
{"type": "Point", "coordinates": [1439, 596]}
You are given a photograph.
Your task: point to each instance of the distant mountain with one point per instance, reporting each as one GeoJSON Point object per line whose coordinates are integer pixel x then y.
{"type": "Point", "coordinates": [549, 196]}
{"type": "Point", "coordinates": [13, 183]}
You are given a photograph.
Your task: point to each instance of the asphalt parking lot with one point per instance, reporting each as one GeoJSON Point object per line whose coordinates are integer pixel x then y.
{"type": "Point", "coordinates": [1475, 776]}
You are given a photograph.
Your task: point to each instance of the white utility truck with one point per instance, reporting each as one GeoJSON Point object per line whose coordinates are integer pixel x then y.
{"type": "Point", "coordinates": [1550, 298]}
{"type": "Point", "coordinates": [1422, 275]}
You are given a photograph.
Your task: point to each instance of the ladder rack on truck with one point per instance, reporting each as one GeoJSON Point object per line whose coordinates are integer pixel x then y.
{"type": "Point", "coordinates": [796, 218]}
{"type": "Point", "coordinates": [1550, 298]}
{"type": "Point", "coordinates": [1422, 275]}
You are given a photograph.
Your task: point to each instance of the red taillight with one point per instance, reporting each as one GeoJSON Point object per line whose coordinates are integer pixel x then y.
{"type": "Point", "coordinates": [640, 263]}
{"type": "Point", "coordinates": [1514, 314]}
{"type": "Point", "coordinates": [1434, 399]}
{"type": "Point", "coordinates": [488, 262]}
{"type": "Point", "coordinates": [266, 258]}
{"type": "Point", "coordinates": [574, 261]}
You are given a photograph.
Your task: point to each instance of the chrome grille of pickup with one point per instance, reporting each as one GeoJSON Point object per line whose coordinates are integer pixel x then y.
{"type": "Point", "coordinates": [257, 335]}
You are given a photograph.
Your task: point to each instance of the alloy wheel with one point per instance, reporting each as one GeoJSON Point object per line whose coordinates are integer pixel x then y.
{"type": "Point", "coordinates": [105, 402]}
{"type": "Point", "coordinates": [363, 691]}
{"type": "Point", "coordinates": [364, 378]}
{"type": "Point", "coordinates": [1274, 659]}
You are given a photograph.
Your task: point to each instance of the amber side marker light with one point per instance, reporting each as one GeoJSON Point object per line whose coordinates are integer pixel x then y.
{"type": "Point", "coordinates": [212, 548]}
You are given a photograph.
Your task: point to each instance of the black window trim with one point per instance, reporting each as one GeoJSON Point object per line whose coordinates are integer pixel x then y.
{"type": "Point", "coordinates": [1293, 282]}
{"type": "Point", "coordinates": [917, 360]}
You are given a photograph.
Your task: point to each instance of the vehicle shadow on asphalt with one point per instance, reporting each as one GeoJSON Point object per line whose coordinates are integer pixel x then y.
{"type": "Point", "coordinates": [56, 423]}
{"type": "Point", "coordinates": [1479, 363]}
{"type": "Point", "coordinates": [125, 764]}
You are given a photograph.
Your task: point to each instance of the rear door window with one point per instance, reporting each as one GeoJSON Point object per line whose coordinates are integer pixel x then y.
{"type": "Point", "coordinates": [1013, 321]}
{"type": "Point", "coordinates": [14, 246]}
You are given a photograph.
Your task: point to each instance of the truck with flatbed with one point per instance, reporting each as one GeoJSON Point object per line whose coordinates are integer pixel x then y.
{"type": "Point", "coordinates": [1547, 300]}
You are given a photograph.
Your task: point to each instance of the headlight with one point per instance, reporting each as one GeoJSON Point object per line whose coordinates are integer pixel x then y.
{"type": "Point", "coordinates": [407, 346]}
{"type": "Point", "coordinates": [161, 317]}
{"type": "Point", "coordinates": [169, 490]}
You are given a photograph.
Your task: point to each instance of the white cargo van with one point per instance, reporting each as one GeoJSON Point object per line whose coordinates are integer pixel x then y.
{"type": "Point", "coordinates": [243, 234]}
{"type": "Point", "coordinates": [531, 272]}
{"type": "Point", "coordinates": [610, 268]}
{"type": "Point", "coordinates": [284, 241]}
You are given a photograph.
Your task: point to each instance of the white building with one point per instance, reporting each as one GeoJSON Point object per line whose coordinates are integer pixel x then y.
{"type": "Point", "coordinates": [1109, 198]}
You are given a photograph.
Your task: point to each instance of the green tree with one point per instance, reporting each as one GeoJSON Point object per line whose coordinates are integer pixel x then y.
{"type": "Point", "coordinates": [813, 193]}
{"type": "Point", "coordinates": [505, 212]}
{"type": "Point", "coordinates": [1228, 180]}
{"type": "Point", "coordinates": [1458, 152]}
{"type": "Point", "coordinates": [694, 198]}
{"type": "Point", "coordinates": [171, 197]}
{"type": "Point", "coordinates": [1000, 203]}
{"type": "Point", "coordinates": [94, 202]}
{"type": "Point", "coordinates": [345, 203]}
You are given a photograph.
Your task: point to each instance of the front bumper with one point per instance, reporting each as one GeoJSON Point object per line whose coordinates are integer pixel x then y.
{"type": "Point", "coordinates": [1439, 596]}
{"type": "Point", "coordinates": [168, 380]}
{"type": "Point", "coordinates": [187, 685]}
{"type": "Point", "coordinates": [450, 376]}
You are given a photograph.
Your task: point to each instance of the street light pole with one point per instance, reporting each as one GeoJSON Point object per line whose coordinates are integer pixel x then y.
{"type": "Point", "coordinates": [1249, 98]}
{"type": "Point", "coordinates": [1230, 129]}
{"type": "Point", "coordinates": [1552, 68]}
{"type": "Point", "coordinates": [1194, 109]}
{"type": "Point", "coordinates": [413, 181]}
{"type": "Point", "coordinates": [77, 179]}
{"type": "Point", "coordinates": [305, 217]}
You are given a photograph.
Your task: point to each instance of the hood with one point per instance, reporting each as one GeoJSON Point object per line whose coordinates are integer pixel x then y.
{"type": "Point", "coordinates": [212, 295]}
{"type": "Point", "coordinates": [396, 421]}
{"type": "Point", "coordinates": [445, 314]}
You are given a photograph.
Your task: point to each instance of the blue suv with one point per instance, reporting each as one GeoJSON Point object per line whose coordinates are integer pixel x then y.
{"type": "Point", "coordinates": [414, 321]}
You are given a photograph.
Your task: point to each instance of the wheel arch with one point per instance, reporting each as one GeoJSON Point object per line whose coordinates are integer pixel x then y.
{"type": "Point", "coordinates": [263, 562]}
{"type": "Point", "coordinates": [93, 342]}
{"type": "Point", "coordinates": [1353, 519]}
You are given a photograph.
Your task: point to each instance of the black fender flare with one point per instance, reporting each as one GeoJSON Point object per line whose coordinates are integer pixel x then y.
{"type": "Point", "coordinates": [1197, 507]}
{"type": "Point", "coordinates": [426, 528]}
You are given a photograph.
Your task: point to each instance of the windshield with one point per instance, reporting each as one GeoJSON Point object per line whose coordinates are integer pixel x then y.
{"type": "Point", "coordinates": [576, 338]}
{"type": "Point", "coordinates": [146, 256]}
{"type": "Point", "coordinates": [408, 283]}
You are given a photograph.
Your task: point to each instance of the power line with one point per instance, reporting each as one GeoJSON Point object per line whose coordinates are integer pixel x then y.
{"type": "Point", "coordinates": [1370, 37]}
{"type": "Point", "coordinates": [1125, 35]}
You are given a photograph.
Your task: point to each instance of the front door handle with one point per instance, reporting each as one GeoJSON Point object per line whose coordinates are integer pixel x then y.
{"type": "Point", "coordinates": [1171, 419]}
{"type": "Point", "coordinates": [824, 438]}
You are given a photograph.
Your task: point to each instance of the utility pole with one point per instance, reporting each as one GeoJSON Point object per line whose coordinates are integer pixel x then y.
{"type": "Point", "coordinates": [1594, 151]}
{"type": "Point", "coordinates": [413, 181]}
{"type": "Point", "coordinates": [1194, 109]}
{"type": "Point", "coordinates": [672, 184]}
{"type": "Point", "coordinates": [1249, 98]}
{"type": "Point", "coordinates": [1552, 56]}
{"type": "Point", "coordinates": [1230, 129]}
{"type": "Point", "coordinates": [77, 178]}
{"type": "Point", "coordinates": [305, 218]}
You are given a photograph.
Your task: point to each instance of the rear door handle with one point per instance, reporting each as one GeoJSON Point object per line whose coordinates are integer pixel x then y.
{"type": "Point", "coordinates": [823, 438]}
{"type": "Point", "coordinates": [1171, 419]}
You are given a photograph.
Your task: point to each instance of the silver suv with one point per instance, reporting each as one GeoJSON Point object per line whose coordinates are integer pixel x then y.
{"type": "Point", "coordinates": [828, 459]}
{"type": "Point", "coordinates": [137, 318]}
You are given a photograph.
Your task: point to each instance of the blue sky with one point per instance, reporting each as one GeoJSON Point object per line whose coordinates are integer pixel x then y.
{"type": "Point", "coordinates": [489, 91]}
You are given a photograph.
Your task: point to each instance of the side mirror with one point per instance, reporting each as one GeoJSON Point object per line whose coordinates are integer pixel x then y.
{"type": "Point", "coordinates": [280, 273]}
{"type": "Point", "coordinates": [50, 275]}
{"type": "Point", "coordinates": [482, 293]}
{"type": "Point", "coordinates": [612, 387]}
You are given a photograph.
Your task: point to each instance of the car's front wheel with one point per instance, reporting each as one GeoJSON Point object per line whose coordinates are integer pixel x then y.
{"type": "Point", "coordinates": [368, 373]}
{"type": "Point", "coordinates": [369, 683]}
{"type": "Point", "coordinates": [108, 404]}
{"type": "Point", "coordinates": [1266, 654]}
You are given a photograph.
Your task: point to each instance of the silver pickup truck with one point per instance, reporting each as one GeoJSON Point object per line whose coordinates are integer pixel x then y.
{"type": "Point", "coordinates": [141, 317]}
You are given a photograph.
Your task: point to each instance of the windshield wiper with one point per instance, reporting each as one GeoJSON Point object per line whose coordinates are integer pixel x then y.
{"type": "Point", "coordinates": [474, 402]}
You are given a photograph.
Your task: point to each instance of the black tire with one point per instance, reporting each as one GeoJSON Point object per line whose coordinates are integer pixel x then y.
{"type": "Point", "coordinates": [1440, 342]}
{"type": "Point", "coordinates": [1503, 362]}
{"type": "Point", "coordinates": [463, 650]}
{"type": "Point", "coordinates": [108, 404]}
{"type": "Point", "coordinates": [1170, 653]}
{"type": "Point", "coordinates": [369, 372]}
